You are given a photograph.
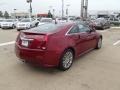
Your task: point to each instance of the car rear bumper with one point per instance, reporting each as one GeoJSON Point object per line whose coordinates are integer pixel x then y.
{"type": "Point", "coordinates": [37, 57]}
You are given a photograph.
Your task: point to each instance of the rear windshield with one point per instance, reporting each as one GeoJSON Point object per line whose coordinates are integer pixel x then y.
{"type": "Point", "coordinates": [46, 20]}
{"type": "Point", "coordinates": [99, 20]}
{"type": "Point", "coordinates": [25, 20]}
{"type": "Point", "coordinates": [46, 28]}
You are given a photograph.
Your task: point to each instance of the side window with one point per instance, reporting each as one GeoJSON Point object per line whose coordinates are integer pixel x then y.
{"type": "Point", "coordinates": [75, 29]}
{"type": "Point", "coordinates": [83, 28]}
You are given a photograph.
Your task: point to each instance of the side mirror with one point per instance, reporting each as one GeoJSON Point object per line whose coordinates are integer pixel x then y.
{"type": "Point", "coordinates": [92, 29]}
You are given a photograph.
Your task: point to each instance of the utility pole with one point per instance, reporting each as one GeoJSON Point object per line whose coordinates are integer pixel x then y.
{"type": "Point", "coordinates": [62, 8]}
{"type": "Point", "coordinates": [50, 8]}
{"type": "Point", "coordinates": [84, 9]}
{"type": "Point", "coordinates": [67, 11]}
{"type": "Point", "coordinates": [15, 13]}
{"type": "Point", "coordinates": [30, 10]}
{"type": "Point", "coordinates": [53, 13]}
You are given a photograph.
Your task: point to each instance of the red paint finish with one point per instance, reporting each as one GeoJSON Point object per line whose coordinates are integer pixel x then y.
{"type": "Point", "coordinates": [45, 48]}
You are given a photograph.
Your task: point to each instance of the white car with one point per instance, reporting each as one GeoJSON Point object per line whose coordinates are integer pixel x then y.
{"type": "Point", "coordinates": [8, 23]}
{"type": "Point", "coordinates": [46, 20]}
{"type": "Point", "coordinates": [1, 20]}
{"type": "Point", "coordinates": [26, 23]}
{"type": "Point", "coordinates": [60, 20]}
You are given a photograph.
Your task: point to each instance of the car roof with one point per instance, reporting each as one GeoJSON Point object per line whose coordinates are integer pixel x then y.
{"type": "Point", "coordinates": [8, 20]}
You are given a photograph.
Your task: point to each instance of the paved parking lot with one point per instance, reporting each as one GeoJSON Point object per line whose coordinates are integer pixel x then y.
{"type": "Point", "coordinates": [98, 70]}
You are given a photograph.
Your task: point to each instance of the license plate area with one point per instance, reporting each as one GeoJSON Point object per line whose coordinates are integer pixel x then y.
{"type": "Point", "coordinates": [25, 43]}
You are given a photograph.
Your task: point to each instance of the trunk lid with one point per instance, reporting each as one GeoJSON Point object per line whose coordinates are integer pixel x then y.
{"type": "Point", "coordinates": [33, 40]}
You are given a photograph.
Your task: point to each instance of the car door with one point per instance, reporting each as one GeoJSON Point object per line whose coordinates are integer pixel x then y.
{"type": "Point", "coordinates": [83, 46]}
{"type": "Point", "coordinates": [74, 38]}
{"type": "Point", "coordinates": [87, 38]}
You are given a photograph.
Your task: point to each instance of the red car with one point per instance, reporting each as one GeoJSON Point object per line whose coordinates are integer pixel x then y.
{"type": "Point", "coordinates": [51, 45]}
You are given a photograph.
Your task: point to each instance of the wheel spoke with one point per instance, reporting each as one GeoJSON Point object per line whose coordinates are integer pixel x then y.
{"type": "Point", "coordinates": [67, 59]}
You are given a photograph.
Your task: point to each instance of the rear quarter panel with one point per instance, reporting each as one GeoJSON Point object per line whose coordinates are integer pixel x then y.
{"type": "Point", "coordinates": [58, 42]}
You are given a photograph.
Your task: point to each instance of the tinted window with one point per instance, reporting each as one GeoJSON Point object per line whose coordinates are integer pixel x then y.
{"type": "Point", "coordinates": [116, 19]}
{"type": "Point", "coordinates": [83, 28]}
{"type": "Point", "coordinates": [46, 20]}
{"type": "Point", "coordinates": [25, 20]}
{"type": "Point", "coordinates": [75, 29]}
{"type": "Point", "coordinates": [46, 28]}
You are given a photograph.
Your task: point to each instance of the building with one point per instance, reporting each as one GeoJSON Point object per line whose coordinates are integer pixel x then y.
{"type": "Point", "coordinates": [42, 15]}
{"type": "Point", "coordinates": [20, 15]}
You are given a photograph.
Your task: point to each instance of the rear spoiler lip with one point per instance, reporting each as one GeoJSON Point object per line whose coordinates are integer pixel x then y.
{"type": "Point", "coordinates": [35, 33]}
{"type": "Point", "coordinates": [26, 39]}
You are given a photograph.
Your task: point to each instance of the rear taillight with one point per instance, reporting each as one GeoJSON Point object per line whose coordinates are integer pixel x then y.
{"type": "Point", "coordinates": [43, 44]}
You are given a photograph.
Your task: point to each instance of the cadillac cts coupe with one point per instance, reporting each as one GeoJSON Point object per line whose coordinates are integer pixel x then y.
{"type": "Point", "coordinates": [51, 45]}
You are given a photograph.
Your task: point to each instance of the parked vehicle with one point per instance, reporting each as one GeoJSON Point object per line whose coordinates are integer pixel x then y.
{"type": "Point", "coordinates": [115, 21]}
{"type": "Point", "coordinates": [26, 23]}
{"type": "Point", "coordinates": [101, 23]}
{"type": "Point", "coordinates": [56, 45]}
{"type": "Point", "coordinates": [46, 20]}
{"type": "Point", "coordinates": [1, 20]}
{"type": "Point", "coordinates": [90, 23]}
{"type": "Point", "coordinates": [8, 23]}
{"type": "Point", "coordinates": [63, 20]}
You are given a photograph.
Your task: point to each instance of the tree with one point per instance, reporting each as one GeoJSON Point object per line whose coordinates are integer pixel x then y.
{"type": "Point", "coordinates": [1, 14]}
{"type": "Point", "coordinates": [49, 14]}
{"type": "Point", "coordinates": [6, 14]}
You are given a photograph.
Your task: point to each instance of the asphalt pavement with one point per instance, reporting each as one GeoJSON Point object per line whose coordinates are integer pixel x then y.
{"type": "Point", "coordinates": [97, 70]}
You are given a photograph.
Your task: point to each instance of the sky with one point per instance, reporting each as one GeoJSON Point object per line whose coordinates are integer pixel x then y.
{"type": "Point", "coordinates": [42, 6]}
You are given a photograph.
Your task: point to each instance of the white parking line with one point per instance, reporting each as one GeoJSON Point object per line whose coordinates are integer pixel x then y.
{"type": "Point", "coordinates": [116, 43]}
{"type": "Point", "coordinates": [104, 31]}
{"type": "Point", "coordinates": [115, 27]}
{"type": "Point", "coordinates": [7, 43]}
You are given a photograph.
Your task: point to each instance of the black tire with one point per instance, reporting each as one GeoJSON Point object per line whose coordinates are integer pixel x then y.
{"type": "Point", "coordinates": [36, 24]}
{"type": "Point", "coordinates": [13, 26]}
{"type": "Point", "coordinates": [99, 43]}
{"type": "Point", "coordinates": [103, 27]}
{"type": "Point", "coordinates": [30, 26]}
{"type": "Point", "coordinates": [63, 61]}
{"type": "Point", "coordinates": [18, 29]}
